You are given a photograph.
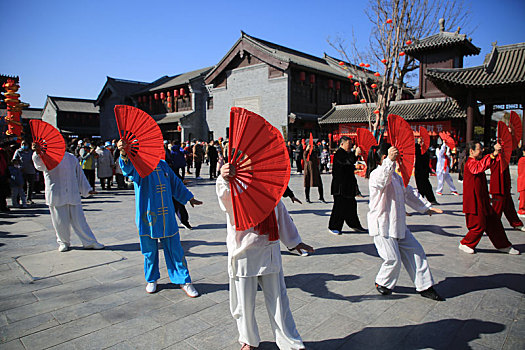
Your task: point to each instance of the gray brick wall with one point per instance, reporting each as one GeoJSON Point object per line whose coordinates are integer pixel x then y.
{"type": "Point", "coordinates": [250, 87]}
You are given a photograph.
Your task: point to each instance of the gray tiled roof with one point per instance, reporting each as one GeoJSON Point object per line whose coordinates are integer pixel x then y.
{"type": "Point", "coordinates": [176, 80]}
{"type": "Point", "coordinates": [441, 40]}
{"type": "Point", "coordinates": [68, 104]}
{"type": "Point", "coordinates": [505, 65]}
{"type": "Point", "coordinates": [127, 87]}
{"type": "Point", "coordinates": [421, 109]}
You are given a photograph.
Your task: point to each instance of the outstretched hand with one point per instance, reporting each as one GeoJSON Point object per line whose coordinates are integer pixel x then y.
{"type": "Point", "coordinates": [195, 202]}
{"type": "Point", "coordinates": [301, 246]}
{"type": "Point", "coordinates": [432, 210]}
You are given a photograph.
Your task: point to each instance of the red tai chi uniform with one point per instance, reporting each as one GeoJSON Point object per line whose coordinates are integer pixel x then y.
{"type": "Point", "coordinates": [521, 185]}
{"type": "Point", "coordinates": [500, 190]}
{"type": "Point", "coordinates": [479, 214]}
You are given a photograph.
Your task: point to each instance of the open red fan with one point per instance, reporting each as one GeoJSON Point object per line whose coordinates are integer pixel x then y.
{"type": "Point", "coordinates": [143, 137]}
{"type": "Point", "coordinates": [423, 133]}
{"type": "Point", "coordinates": [258, 152]}
{"type": "Point", "coordinates": [365, 140]}
{"type": "Point", "coordinates": [52, 144]}
{"type": "Point", "coordinates": [505, 140]}
{"type": "Point", "coordinates": [401, 136]}
{"type": "Point", "coordinates": [516, 129]}
{"type": "Point", "coordinates": [311, 144]}
{"type": "Point", "coordinates": [449, 141]}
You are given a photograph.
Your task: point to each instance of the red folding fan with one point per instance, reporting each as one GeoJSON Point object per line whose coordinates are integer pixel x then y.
{"type": "Point", "coordinates": [449, 141]}
{"type": "Point", "coordinates": [505, 140]}
{"type": "Point", "coordinates": [365, 140]}
{"type": "Point", "coordinates": [423, 133]}
{"type": "Point", "coordinates": [143, 137]}
{"type": "Point", "coordinates": [401, 136]}
{"type": "Point", "coordinates": [52, 144]}
{"type": "Point", "coordinates": [258, 153]}
{"type": "Point", "coordinates": [311, 144]}
{"type": "Point", "coordinates": [516, 129]}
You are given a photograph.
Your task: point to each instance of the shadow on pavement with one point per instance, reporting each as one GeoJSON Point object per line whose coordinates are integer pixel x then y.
{"type": "Point", "coordinates": [319, 212]}
{"type": "Point", "coordinates": [209, 226]}
{"type": "Point", "coordinates": [188, 245]}
{"type": "Point", "coordinates": [368, 249]}
{"type": "Point", "coordinates": [455, 286]}
{"type": "Point", "coordinates": [439, 230]}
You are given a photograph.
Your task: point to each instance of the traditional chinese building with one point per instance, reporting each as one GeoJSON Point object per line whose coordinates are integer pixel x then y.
{"type": "Point", "coordinates": [432, 108]}
{"type": "Point", "coordinates": [291, 89]}
{"type": "Point", "coordinates": [73, 117]}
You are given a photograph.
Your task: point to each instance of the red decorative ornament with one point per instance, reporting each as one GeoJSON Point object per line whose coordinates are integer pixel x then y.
{"type": "Point", "coordinates": [356, 83]}
{"type": "Point", "coordinates": [402, 53]}
{"type": "Point", "coordinates": [355, 93]}
{"type": "Point", "coordinates": [162, 96]}
{"type": "Point", "coordinates": [362, 100]}
{"type": "Point", "coordinates": [377, 74]}
{"type": "Point", "coordinates": [350, 76]}
{"type": "Point", "coordinates": [330, 84]}
{"type": "Point", "coordinates": [373, 86]}
{"type": "Point", "coordinates": [338, 85]}
{"type": "Point", "coordinates": [384, 60]}
{"type": "Point", "coordinates": [367, 65]}
{"type": "Point", "coordinates": [361, 64]}
{"type": "Point", "coordinates": [389, 21]}
{"type": "Point", "coordinates": [341, 63]}
{"type": "Point", "coordinates": [179, 128]}
{"type": "Point", "coordinates": [169, 93]}
{"type": "Point", "coordinates": [376, 111]}
{"type": "Point", "coordinates": [312, 78]}
{"type": "Point", "coordinates": [176, 93]}
{"type": "Point", "coordinates": [156, 96]}
{"type": "Point", "coordinates": [150, 98]}
{"type": "Point", "coordinates": [182, 92]}
{"type": "Point", "coordinates": [302, 76]}
{"type": "Point", "coordinates": [409, 42]}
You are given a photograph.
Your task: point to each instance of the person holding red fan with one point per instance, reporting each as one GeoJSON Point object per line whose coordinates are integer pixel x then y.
{"type": "Point", "coordinates": [521, 183]}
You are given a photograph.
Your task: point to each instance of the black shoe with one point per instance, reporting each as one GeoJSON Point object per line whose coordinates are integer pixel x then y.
{"type": "Point", "coordinates": [431, 293]}
{"type": "Point", "coordinates": [187, 225]}
{"type": "Point", "coordinates": [383, 290]}
{"type": "Point", "coordinates": [322, 200]}
{"type": "Point", "coordinates": [359, 229]}
{"type": "Point", "coordinates": [308, 201]}
{"type": "Point", "coordinates": [434, 203]}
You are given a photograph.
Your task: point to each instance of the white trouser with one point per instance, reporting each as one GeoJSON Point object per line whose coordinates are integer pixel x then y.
{"type": "Point", "coordinates": [15, 193]}
{"type": "Point", "coordinates": [67, 216]}
{"type": "Point", "coordinates": [448, 179]}
{"type": "Point", "coordinates": [242, 307]}
{"type": "Point", "coordinates": [408, 251]}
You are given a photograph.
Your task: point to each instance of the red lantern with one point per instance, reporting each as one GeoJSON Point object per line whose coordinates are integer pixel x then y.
{"type": "Point", "coordinates": [350, 76]}
{"type": "Point", "coordinates": [162, 96]}
{"type": "Point", "coordinates": [338, 85]}
{"type": "Point", "coordinates": [150, 98]}
{"type": "Point", "coordinates": [383, 60]}
{"type": "Point", "coordinates": [376, 111]}
{"type": "Point", "coordinates": [367, 65]}
{"type": "Point", "coordinates": [409, 42]}
{"type": "Point", "coordinates": [330, 84]}
{"type": "Point", "coordinates": [139, 99]}
{"type": "Point", "coordinates": [362, 100]}
{"type": "Point", "coordinates": [355, 93]}
{"type": "Point", "coordinates": [175, 93]}
{"type": "Point", "coordinates": [356, 83]}
{"type": "Point", "coordinates": [312, 78]}
{"type": "Point", "coordinates": [389, 21]}
{"type": "Point", "coordinates": [302, 76]}
{"type": "Point", "coordinates": [156, 96]}
{"type": "Point", "coordinates": [329, 137]}
{"type": "Point", "coordinates": [401, 53]}
{"type": "Point", "coordinates": [341, 63]}
{"type": "Point", "coordinates": [361, 64]}
{"type": "Point", "coordinates": [373, 86]}
{"type": "Point", "coordinates": [182, 92]}
{"type": "Point", "coordinates": [377, 74]}
{"type": "Point", "coordinates": [169, 93]}
{"type": "Point", "coordinates": [179, 128]}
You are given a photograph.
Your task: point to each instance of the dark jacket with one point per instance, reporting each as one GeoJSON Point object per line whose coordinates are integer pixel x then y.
{"type": "Point", "coordinates": [422, 164]}
{"type": "Point", "coordinates": [343, 177]}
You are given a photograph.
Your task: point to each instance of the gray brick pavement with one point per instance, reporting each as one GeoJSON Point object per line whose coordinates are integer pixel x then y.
{"type": "Point", "coordinates": [332, 292]}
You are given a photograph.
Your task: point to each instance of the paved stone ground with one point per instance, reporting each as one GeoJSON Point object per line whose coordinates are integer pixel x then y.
{"type": "Point", "coordinates": [332, 294]}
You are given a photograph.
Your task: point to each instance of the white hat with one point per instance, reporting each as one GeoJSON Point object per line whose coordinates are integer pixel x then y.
{"type": "Point", "coordinates": [80, 142]}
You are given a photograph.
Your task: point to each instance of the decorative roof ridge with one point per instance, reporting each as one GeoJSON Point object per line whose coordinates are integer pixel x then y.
{"type": "Point", "coordinates": [119, 80]}
{"type": "Point", "coordinates": [73, 99]}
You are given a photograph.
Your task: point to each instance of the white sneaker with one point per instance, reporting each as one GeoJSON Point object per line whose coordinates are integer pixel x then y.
{"type": "Point", "coordinates": [95, 246]}
{"type": "Point", "coordinates": [151, 287]}
{"type": "Point", "coordinates": [335, 232]}
{"type": "Point", "coordinates": [190, 290]}
{"type": "Point", "coordinates": [519, 228]}
{"type": "Point", "coordinates": [509, 250]}
{"type": "Point", "coordinates": [63, 247]}
{"type": "Point", "coordinates": [522, 228]}
{"type": "Point", "coordinates": [199, 178]}
{"type": "Point", "coordinates": [466, 249]}
{"type": "Point", "coordinates": [521, 215]}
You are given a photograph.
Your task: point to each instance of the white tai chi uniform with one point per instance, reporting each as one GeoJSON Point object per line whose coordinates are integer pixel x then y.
{"type": "Point", "coordinates": [252, 260]}
{"type": "Point", "coordinates": [387, 224]}
{"type": "Point", "coordinates": [442, 170]}
{"type": "Point", "coordinates": [64, 184]}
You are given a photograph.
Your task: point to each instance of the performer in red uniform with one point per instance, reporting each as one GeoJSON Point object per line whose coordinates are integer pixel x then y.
{"type": "Point", "coordinates": [479, 214]}
{"type": "Point", "coordinates": [501, 198]}
{"type": "Point", "coordinates": [521, 183]}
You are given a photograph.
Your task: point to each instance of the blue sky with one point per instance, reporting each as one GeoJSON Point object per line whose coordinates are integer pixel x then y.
{"type": "Point", "coordinates": [67, 48]}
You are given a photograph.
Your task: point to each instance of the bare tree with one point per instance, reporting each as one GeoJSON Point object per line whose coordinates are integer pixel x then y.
{"type": "Point", "coordinates": [395, 24]}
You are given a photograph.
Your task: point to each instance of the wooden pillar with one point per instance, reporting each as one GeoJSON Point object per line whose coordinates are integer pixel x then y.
{"type": "Point", "coordinates": [470, 117]}
{"type": "Point", "coordinates": [487, 132]}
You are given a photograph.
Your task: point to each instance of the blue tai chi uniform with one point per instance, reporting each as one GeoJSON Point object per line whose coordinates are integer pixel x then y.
{"type": "Point", "coordinates": [155, 219]}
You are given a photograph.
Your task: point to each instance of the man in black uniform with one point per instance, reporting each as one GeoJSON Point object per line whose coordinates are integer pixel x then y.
{"type": "Point", "coordinates": [422, 172]}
